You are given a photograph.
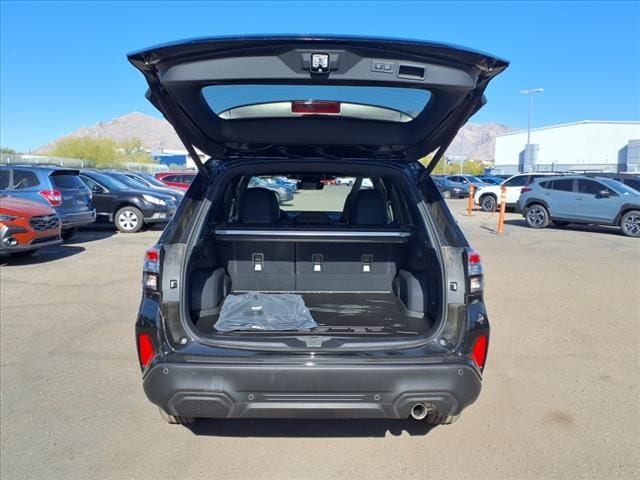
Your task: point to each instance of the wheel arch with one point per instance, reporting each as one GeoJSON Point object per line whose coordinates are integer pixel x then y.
{"type": "Point", "coordinates": [535, 200]}
{"type": "Point", "coordinates": [627, 207]}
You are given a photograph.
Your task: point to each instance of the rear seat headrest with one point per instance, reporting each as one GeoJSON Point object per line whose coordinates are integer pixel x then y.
{"type": "Point", "coordinates": [368, 208]}
{"type": "Point", "coordinates": [259, 205]}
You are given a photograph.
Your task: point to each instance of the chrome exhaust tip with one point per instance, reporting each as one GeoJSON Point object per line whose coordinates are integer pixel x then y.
{"type": "Point", "coordinates": [419, 411]}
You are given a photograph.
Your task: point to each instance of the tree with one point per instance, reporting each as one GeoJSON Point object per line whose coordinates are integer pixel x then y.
{"type": "Point", "coordinates": [470, 167]}
{"type": "Point", "coordinates": [102, 152]}
{"type": "Point", "coordinates": [7, 151]}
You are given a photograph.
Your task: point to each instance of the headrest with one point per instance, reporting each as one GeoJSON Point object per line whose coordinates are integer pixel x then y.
{"type": "Point", "coordinates": [368, 208]}
{"type": "Point", "coordinates": [259, 205]}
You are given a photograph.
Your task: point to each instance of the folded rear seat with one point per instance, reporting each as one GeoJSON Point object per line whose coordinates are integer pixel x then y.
{"type": "Point", "coordinates": [350, 267]}
{"type": "Point", "coordinates": [265, 266]}
{"type": "Point", "coordinates": [307, 266]}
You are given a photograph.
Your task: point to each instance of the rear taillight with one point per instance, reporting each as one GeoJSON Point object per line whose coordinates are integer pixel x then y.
{"type": "Point", "coordinates": [146, 350]}
{"type": "Point", "coordinates": [474, 271]}
{"type": "Point", "coordinates": [54, 197]}
{"type": "Point", "coordinates": [479, 351]}
{"type": "Point", "coordinates": [525, 189]}
{"type": "Point", "coordinates": [315, 107]}
{"type": "Point", "coordinates": [151, 269]}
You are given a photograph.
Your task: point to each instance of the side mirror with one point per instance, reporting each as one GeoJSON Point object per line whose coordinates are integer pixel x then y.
{"type": "Point", "coordinates": [97, 189]}
{"type": "Point", "coordinates": [603, 194]}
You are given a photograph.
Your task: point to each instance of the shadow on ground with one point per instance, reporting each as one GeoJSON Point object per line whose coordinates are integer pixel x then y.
{"type": "Point", "coordinates": [303, 428]}
{"type": "Point", "coordinates": [43, 255]}
{"type": "Point", "coordinates": [572, 227]}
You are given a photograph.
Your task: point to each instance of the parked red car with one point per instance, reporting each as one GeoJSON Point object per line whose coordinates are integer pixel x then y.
{"type": "Point", "coordinates": [26, 226]}
{"type": "Point", "coordinates": [176, 179]}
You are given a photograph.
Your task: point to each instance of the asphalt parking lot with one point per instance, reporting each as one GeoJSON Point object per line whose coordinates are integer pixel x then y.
{"type": "Point", "coordinates": [561, 392]}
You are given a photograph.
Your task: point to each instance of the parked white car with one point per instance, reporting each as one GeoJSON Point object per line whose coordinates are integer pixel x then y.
{"type": "Point", "coordinates": [345, 181]}
{"type": "Point", "coordinates": [488, 198]}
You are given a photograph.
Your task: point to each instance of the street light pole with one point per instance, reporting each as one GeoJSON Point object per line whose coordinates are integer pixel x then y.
{"type": "Point", "coordinates": [530, 93]}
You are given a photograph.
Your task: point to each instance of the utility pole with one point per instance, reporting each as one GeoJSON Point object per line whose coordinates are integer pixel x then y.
{"type": "Point", "coordinates": [530, 93]}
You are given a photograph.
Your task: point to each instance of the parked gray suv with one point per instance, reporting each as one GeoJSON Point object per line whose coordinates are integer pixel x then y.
{"type": "Point", "coordinates": [580, 199]}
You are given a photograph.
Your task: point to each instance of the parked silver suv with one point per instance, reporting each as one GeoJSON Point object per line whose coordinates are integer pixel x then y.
{"type": "Point", "coordinates": [580, 199]}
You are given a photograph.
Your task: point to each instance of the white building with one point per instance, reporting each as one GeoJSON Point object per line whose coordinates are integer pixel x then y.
{"type": "Point", "coordinates": [587, 145]}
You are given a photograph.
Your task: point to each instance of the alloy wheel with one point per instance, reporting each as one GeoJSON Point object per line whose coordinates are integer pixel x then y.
{"type": "Point", "coordinates": [128, 220]}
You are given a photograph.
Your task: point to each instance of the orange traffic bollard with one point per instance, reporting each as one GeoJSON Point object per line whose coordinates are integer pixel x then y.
{"type": "Point", "coordinates": [503, 207]}
{"type": "Point", "coordinates": [472, 190]}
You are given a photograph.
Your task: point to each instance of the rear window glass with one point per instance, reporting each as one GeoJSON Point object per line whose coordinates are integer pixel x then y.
{"type": "Point", "coordinates": [270, 101]}
{"type": "Point", "coordinates": [24, 179]}
{"type": "Point", "coordinates": [67, 182]}
{"type": "Point", "coordinates": [4, 179]}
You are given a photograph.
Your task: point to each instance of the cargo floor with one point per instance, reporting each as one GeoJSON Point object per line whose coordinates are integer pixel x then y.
{"type": "Point", "coordinates": [351, 313]}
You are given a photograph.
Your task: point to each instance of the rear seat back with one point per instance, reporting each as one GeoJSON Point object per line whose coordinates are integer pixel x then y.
{"type": "Point", "coordinates": [264, 266]}
{"type": "Point", "coordinates": [346, 267]}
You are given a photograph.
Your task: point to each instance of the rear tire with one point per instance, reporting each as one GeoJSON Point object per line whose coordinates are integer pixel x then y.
{"type": "Point", "coordinates": [630, 223]}
{"type": "Point", "coordinates": [176, 419]}
{"type": "Point", "coordinates": [488, 203]}
{"type": "Point", "coordinates": [68, 234]}
{"type": "Point", "coordinates": [129, 219]}
{"type": "Point", "coordinates": [537, 216]}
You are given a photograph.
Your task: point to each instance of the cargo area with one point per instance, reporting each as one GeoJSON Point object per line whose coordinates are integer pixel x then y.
{"type": "Point", "coordinates": [361, 267]}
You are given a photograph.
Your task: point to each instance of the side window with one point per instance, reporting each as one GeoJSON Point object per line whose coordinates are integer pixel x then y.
{"type": "Point", "coordinates": [187, 179]}
{"type": "Point", "coordinates": [565, 185]}
{"type": "Point", "coordinates": [93, 186]}
{"type": "Point", "coordinates": [546, 185]}
{"type": "Point", "coordinates": [531, 178]}
{"type": "Point", "coordinates": [24, 179]}
{"type": "Point", "coordinates": [519, 181]}
{"type": "Point", "coordinates": [4, 179]}
{"type": "Point", "coordinates": [170, 178]}
{"type": "Point", "coordinates": [590, 187]}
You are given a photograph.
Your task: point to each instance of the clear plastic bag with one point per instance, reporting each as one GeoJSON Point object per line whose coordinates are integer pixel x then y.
{"type": "Point", "coordinates": [264, 311]}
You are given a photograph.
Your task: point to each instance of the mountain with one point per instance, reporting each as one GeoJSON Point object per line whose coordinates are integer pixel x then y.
{"type": "Point", "coordinates": [475, 140]}
{"type": "Point", "coordinates": [155, 133]}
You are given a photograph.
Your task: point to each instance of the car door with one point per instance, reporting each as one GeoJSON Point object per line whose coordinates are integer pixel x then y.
{"type": "Point", "coordinates": [595, 201]}
{"type": "Point", "coordinates": [278, 97]}
{"type": "Point", "coordinates": [172, 181]}
{"type": "Point", "coordinates": [560, 197]}
{"type": "Point", "coordinates": [103, 200]}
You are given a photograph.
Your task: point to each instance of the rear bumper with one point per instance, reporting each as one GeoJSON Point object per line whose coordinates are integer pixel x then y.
{"type": "Point", "coordinates": [343, 391]}
{"type": "Point", "coordinates": [76, 219]}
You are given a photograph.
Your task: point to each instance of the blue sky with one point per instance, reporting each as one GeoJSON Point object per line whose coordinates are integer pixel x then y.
{"type": "Point", "coordinates": [63, 65]}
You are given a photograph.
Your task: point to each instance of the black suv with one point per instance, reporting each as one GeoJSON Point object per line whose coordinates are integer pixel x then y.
{"type": "Point", "coordinates": [127, 208]}
{"type": "Point", "coordinates": [345, 302]}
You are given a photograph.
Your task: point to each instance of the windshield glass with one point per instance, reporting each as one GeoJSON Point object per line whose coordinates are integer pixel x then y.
{"type": "Point", "coordinates": [150, 179]}
{"type": "Point", "coordinates": [128, 181]}
{"type": "Point", "coordinates": [228, 101]}
{"type": "Point", "coordinates": [107, 181]}
{"type": "Point", "coordinates": [619, 187]}
{"type": "Point", "coordinates": [471, 178]}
